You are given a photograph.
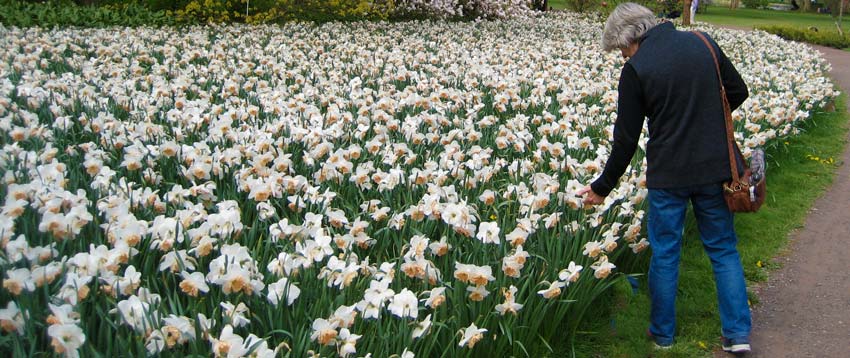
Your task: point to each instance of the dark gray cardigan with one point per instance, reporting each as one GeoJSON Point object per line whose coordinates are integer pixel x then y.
{"type": "Point", "coordinates": [672, 81]}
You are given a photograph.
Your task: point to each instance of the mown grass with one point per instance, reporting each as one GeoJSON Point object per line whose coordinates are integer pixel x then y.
{"type": "Point", "coordinates": [792, 25]}
{"type": "Point", "coordinates": [750, 18]}
{"type": "Point", "coordinates": [558, 4]}
{"type": "Point", "coordinates": [800, 170]}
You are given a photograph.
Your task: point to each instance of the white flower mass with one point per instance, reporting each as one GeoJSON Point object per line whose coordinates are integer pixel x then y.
{"type": "Point", "coordinates": [298, 171]}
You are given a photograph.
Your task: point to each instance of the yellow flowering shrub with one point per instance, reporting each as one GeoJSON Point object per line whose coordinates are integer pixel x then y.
{"type": "Point", "coordinates": [209, 11]}
{"type": "Point", "coordinates": [326, 10]}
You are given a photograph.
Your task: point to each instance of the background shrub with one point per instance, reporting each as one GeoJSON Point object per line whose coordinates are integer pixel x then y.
{"type": "Point", "coordinates": [67, 13]}
{"type": "Point", "coordinates": [330, 10]}
{"type": "Point", "coordinates": [461, 9]}
{"type": "Point", "coordinates": [755, 4]}
{"type": "Point", "coordinates": [811, 35]}
{"type": "Point", "coordinates": [582, 5]}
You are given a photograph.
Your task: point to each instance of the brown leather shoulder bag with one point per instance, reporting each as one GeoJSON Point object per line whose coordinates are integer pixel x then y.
{"type": "Point", "coordinates": [743, 193]}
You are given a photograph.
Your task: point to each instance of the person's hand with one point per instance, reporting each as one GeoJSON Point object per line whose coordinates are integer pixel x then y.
{"type": "Point", "coordinates": [590, 198]}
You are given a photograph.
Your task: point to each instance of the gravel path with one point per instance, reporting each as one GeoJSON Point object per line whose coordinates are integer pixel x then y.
{"type": "Point", "coordinates": [804, 308]}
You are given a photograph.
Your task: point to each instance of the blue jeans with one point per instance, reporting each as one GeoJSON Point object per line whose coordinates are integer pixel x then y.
{"type": "Point", "coordinates": [667, 208]}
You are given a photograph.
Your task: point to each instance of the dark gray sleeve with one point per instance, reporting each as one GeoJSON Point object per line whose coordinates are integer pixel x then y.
{"type": "Point", "coordinates": [627, 128]}
{"type": "Point", "coordinates": [736, 89]}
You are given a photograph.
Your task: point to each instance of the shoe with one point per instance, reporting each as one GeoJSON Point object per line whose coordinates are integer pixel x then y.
{"type": "Point", "coordinates": [661, 347]}
{"type": "Point", "coordinates": [736, 345]}
{"type": "Point", "coordinates": [656, 344]}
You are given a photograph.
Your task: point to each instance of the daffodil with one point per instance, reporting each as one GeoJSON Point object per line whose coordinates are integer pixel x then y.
{"type": "Point", "coordinates": [324, 332]}
{"type": "Point", "coordinates": [237, 315]}
{"type": "Point", "coordinates": [66, 339]}
{"type": "Point", "coordinates": [422, 327]}
{"type": "Point", "coordinates": [509, 305]}
{"type": "Point", "coordinates": [471, 335]}
{"type": "Point", "coordinates": [553, 289]}
{"type": "Point", "coordinates": [283, 289]}
{"type": "Point", "coordinates": [602, 268]}
{"type": "Point", "coordinates": [488, 233]}
{"type": "Point", "coordinates": [436, 297]}
{"type": "Point", "coordinates": [12, 319]}
{"type": "Point", "coordinates": [229, 344]}
{"type": "Point", "coordinates": [571, 273]}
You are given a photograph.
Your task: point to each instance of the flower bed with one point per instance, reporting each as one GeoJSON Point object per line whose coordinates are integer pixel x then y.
{"type": "Point", "coordinates": [344, 189]}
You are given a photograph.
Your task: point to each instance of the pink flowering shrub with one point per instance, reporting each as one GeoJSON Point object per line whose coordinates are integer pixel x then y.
{"type": "Point", "coordinates": [451, 9]}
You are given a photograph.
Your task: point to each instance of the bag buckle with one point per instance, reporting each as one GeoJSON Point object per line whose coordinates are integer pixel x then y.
{"type": "Point", "coordinates": [733, 187]}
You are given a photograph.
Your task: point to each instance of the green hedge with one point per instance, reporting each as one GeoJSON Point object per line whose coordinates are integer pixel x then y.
{"type": "Point", "coordinates": [810, 35]}
{"type": "Point", "coordinates": [68, 13]}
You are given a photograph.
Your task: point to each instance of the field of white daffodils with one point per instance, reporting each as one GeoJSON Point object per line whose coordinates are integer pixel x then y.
{"type": "Point", "coordinates": [338, 190]}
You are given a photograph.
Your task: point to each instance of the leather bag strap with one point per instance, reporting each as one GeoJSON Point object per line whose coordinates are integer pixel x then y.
{"type": "Point", "coordinates": [727, 112]}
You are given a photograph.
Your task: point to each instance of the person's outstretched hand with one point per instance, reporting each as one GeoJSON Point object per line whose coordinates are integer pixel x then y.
{"type": "Point", "coordinates": [590, 198]}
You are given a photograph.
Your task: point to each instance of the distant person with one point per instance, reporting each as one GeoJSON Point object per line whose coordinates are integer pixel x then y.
{"type": "Point", "coordinates": [670, 77]}
{"type": "Point", "coordinates": [694, 6]}
{"type": "Point", "coordinates": [794, 5]}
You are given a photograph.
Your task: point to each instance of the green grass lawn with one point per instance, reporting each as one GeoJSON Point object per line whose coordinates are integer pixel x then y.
{"type": "Point", "coordinates": [762, 236]}
{"type": "Point", "coordinates": [558, 4]}
{"type": "Point", "coordinates": [826, 33]}
{"type": "Point", "coordinates": [720, 15]}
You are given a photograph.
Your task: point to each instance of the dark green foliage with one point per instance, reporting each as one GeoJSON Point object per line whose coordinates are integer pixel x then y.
{"type": "Point", "coordinates": [165, 5]}
{"type": "Point", "coordinates": [67, 13]}
{"type": "Point", "coordinates": [811, 35]}
{"type": "Point", "coordinates": [755, 4]}
{"type": "Point", "coordinates": [581, 5]}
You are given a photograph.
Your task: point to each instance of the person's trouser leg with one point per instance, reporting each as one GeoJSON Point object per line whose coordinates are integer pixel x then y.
{"type": "Point", "coordinates": [665, 224]}
{"type": "Point", "coordinates": [717, 229]}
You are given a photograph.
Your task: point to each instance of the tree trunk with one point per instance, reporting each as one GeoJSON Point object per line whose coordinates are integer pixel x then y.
{"type": "Point", "coordinates": [734, 4]}
{"type": "Point", "coordinates": [686, 13]}
{"type": "Point", "coordinates": [540, 5]}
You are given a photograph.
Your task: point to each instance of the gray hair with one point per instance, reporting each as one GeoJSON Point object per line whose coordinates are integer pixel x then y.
{"type": "Point", "coordinates": [626, 24]}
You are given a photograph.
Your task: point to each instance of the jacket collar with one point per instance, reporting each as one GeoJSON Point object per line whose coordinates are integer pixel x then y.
{"type": "Point", "coordinates": [664, 26]}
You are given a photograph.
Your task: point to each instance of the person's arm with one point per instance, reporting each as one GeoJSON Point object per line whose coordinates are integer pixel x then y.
{"type": "Point", "coordinates": [630, 116]}
{"type": "Point", "coordinates": [736, 89]}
